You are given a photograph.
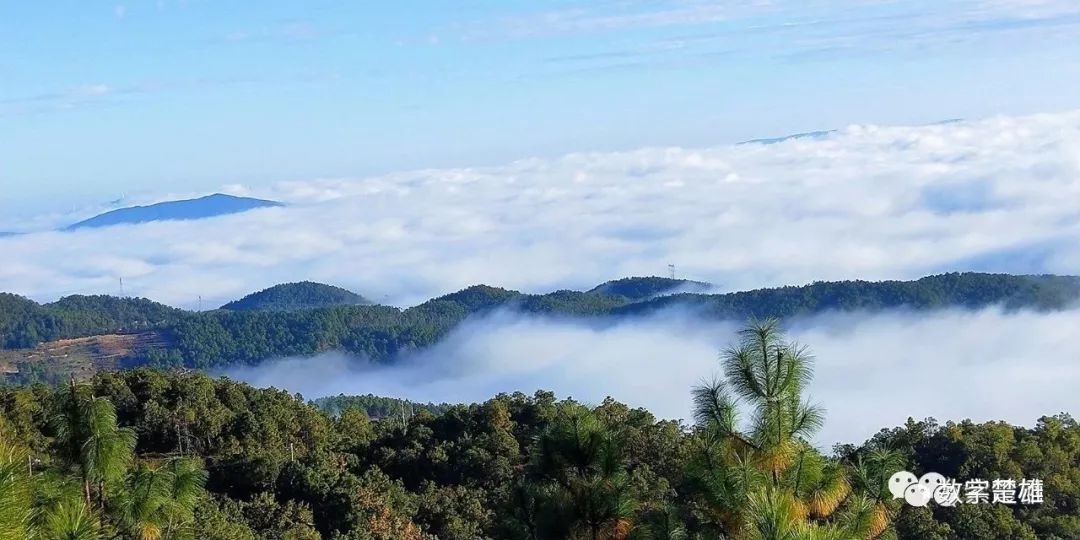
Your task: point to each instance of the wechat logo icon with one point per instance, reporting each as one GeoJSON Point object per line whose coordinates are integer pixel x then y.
{"type": "Point", "coordinates": [919, 491]}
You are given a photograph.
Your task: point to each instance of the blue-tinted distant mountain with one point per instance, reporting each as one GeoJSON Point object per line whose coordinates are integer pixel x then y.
{"type": "Point", "coordinates": [204, 207]}
{"type": "Point", "coordinates": [825, 133]}
{"type": "Point", "coordinates": [3, 234]}
{"type": "Point", "coordinates": [807, 135]}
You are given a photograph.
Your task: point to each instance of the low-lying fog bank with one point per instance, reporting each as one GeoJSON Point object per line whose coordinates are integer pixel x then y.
{"type": "Point", "coordinates": [872, 370]}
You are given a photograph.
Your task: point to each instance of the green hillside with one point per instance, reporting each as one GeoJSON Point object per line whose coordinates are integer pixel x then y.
{"type": "Point", "coordinates": [643, 288]}
{"type": "Point", "coordinates": [227, 337]}
{"type": "Point", "coordinates": [961, 290]}
{"type": "Point", "coordinates": [25, 323]}
{"type": "Point", "coordinates": [296, 296]}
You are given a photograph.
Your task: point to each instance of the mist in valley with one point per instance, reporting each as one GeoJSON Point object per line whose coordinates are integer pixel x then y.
{"type": "Point", "coordinates": [873, 371]}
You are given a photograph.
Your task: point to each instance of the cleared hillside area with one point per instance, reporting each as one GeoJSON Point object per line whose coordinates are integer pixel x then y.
{"type": "Point", "coordinates": [82, 357]}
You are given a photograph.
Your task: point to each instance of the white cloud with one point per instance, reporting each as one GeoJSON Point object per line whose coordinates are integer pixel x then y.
{"type": "Point", "coordinates": [585, 20]}
{"type": "Point", "coordinates": [1027, 8]}
{"type": "Point", "coordinates": [789, 28]}
{"type": "Point", "coordinates": [91, 90]}
{"type": "Point", "coordinates": [867, 202]}
{"type": "Point", "coordinates": [872, 371]}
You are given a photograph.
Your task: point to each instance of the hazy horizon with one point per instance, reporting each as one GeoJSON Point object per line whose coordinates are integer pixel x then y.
{"type": "Point", "coordinates": [102, 99]}
{"type": "Point", "coordinates": [863, 202]}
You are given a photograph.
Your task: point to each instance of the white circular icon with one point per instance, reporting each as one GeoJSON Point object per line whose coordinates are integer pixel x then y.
{"type": "Point", "coordinates": [932, 480]}
{"type": "Point", "coordinates": [917, 495]}
{"type": "Point", "coordinates": [899, 482]}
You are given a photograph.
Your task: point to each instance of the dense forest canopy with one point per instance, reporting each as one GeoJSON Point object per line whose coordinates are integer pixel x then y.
{"type": "Point", "coordinates": [376, 407]}
{"type": "Point", "coordinates": [294, 296]}
{"type": "Point", "coordinates": [644, 288]}
{"type": "Point", "coordinates": [225, 337]}
{"type": "Point", "coordinates": [189, 456]}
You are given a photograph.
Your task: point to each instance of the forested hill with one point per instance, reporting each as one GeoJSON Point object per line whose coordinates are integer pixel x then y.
{"type": "Point", "coordinates": [643, 288]}
{"type": "Point", "coordinates": [296, 296]}
{"type": "Point", "coordinates": [25, 323]}
{"type": "Point", "coordinates": [225, 337]}
{"type": "Point", "coordinates": [964, 290]}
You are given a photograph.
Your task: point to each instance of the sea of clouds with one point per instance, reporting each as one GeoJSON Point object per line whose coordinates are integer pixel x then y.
{"type": "Point", "coordinates": [866, 202]}
{"type": "Point", "coordinates": [870, 202]}
{"type": "Point", "coordinates": [872, 371]}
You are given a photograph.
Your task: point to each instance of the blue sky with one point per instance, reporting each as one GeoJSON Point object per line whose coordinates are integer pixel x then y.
{"type": "Point", "coordinates": [99, 99]}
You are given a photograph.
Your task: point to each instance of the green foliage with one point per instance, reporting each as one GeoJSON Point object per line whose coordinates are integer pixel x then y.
{"type": "Point", "coordinates": [766, 481]}
{"type": "Point", "coordinates": [279, 327]}
{"type": "Point", "coordinates": [966, 290]}
{"type": "Point", "coordinates": [90, 443]}
{"type": "Point", "coordinates": [24, 323]}
{"type": "Point", "coordinates": [16, 489]}
{"type": "Point", "coordinates": [91, 486]}
{"type": "Point", "coordinates": [215, 459]}
{"type": "Point", "coordinates": [296, 296]}
{"type": "Point", "coordinates": [160, 499]}
{"type": "Point", "coordinates": [1050, 451]}
{"type": "Point", "coordinates": [213, 522]}
{"type": "Point", "coordinates": [580, 483]}
{"type": "Point", "coordinates": [644, 288]}
{"type": "Point", "coordinates": [571, 303]}
{"type": "Point", "coordinates": [376, 406]}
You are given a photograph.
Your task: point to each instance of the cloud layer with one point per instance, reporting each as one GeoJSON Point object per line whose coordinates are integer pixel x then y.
{"type": "Point", "coordinates": [863, 202]}
{"type": "Point", "coordinates": [872, 371]}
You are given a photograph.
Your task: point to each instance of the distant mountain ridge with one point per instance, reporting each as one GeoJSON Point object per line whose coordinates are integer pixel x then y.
{"type": "Point", "coordinates": [225, 337]}
{"type": "Point", "coordinates": [814, 135]}
{"type": "Point", "coordinates": [296, 296]}
{"type": "Point", "coordinates": [209, 206]}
